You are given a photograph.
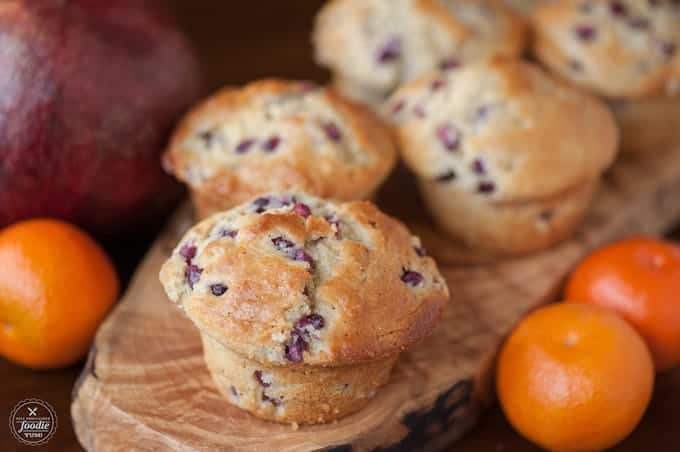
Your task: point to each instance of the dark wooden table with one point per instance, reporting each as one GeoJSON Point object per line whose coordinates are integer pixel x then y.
{"type": "Point", "coordinates": [241, 41]}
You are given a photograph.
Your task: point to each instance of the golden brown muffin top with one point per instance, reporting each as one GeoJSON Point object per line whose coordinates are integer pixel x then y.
{"type": "Point", "coordinates": [617, 48]}
{"type": "Point", "coordinates": [289, 278]}
{"type": "Point", "coordinates": [276, 135]}
{"type": "Point", "coordinates": [503, 129]}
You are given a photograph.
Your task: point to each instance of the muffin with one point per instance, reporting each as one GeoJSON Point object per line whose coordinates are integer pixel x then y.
{"type": "Point", "coordinates": [507, 158]}
{"type": "Point", "coordinates": [303, 305]}
{"type": "Point", "coordinates": [277, 135]}
{"type": "Point", "coordinates": [626, 51]}
{"type": "Point", "coordinates": [373, 46]}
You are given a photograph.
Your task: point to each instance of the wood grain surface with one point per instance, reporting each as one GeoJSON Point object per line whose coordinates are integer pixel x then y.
{"type": "Point", "coordinates": [237, 42]}
{"type": "Point", "coordinates": [148, 355]}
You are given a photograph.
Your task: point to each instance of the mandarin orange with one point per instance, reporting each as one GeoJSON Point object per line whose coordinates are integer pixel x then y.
{"type": "Point", "coordinates": [574, 378]}
{"type": "Point", "coordinates": [638, 278]}
{"type": "Point", "coordinates": [56, 286]}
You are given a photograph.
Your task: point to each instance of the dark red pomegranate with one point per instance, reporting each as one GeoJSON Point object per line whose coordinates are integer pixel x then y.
{"type": "Point", "coordinates": [89, 91]}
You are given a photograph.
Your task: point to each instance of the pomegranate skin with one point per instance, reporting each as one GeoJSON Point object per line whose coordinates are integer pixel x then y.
{"type": "Point", "coordinates": [89, 92]}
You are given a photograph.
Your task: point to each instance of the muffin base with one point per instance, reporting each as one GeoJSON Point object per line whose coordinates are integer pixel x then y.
{"type": "Point", "coordinates": [650, 125]}
{"type": "Point", "coordinates": [510, 228]}
{"type": "Point", "coordinates": [206, 205]}
{"type": "Point", "coordinates": [359, 93]}
{"type": "Point", "coordinates": [297, 393]}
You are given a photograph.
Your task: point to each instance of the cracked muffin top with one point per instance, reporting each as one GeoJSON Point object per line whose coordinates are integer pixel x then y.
{"type": "Point", "coordinates": [290, 278]}
{"type": "Point", "coordinates": [617, 48]}
{"type": "Point", "coordinates": [503, 129]}
{"type": "Point", "coordinates": [380, 44]}
{"type": "Point", "coordinates": [276, 135]}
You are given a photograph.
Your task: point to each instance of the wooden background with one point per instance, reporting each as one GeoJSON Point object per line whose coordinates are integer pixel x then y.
{"type": "Point", "coordinates": [237, 42]}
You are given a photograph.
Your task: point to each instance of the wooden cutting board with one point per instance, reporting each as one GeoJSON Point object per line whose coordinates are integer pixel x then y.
{"type": "Point", "coordinates": [145, 386]}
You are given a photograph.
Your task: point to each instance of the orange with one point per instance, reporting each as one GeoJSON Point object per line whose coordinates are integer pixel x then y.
{"type": "Point", "coordinates": [56, 286]}
{"type": "Point", "coordinates": [574, 378]}
{"type": "Point", "coordinates": [639, 279]}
